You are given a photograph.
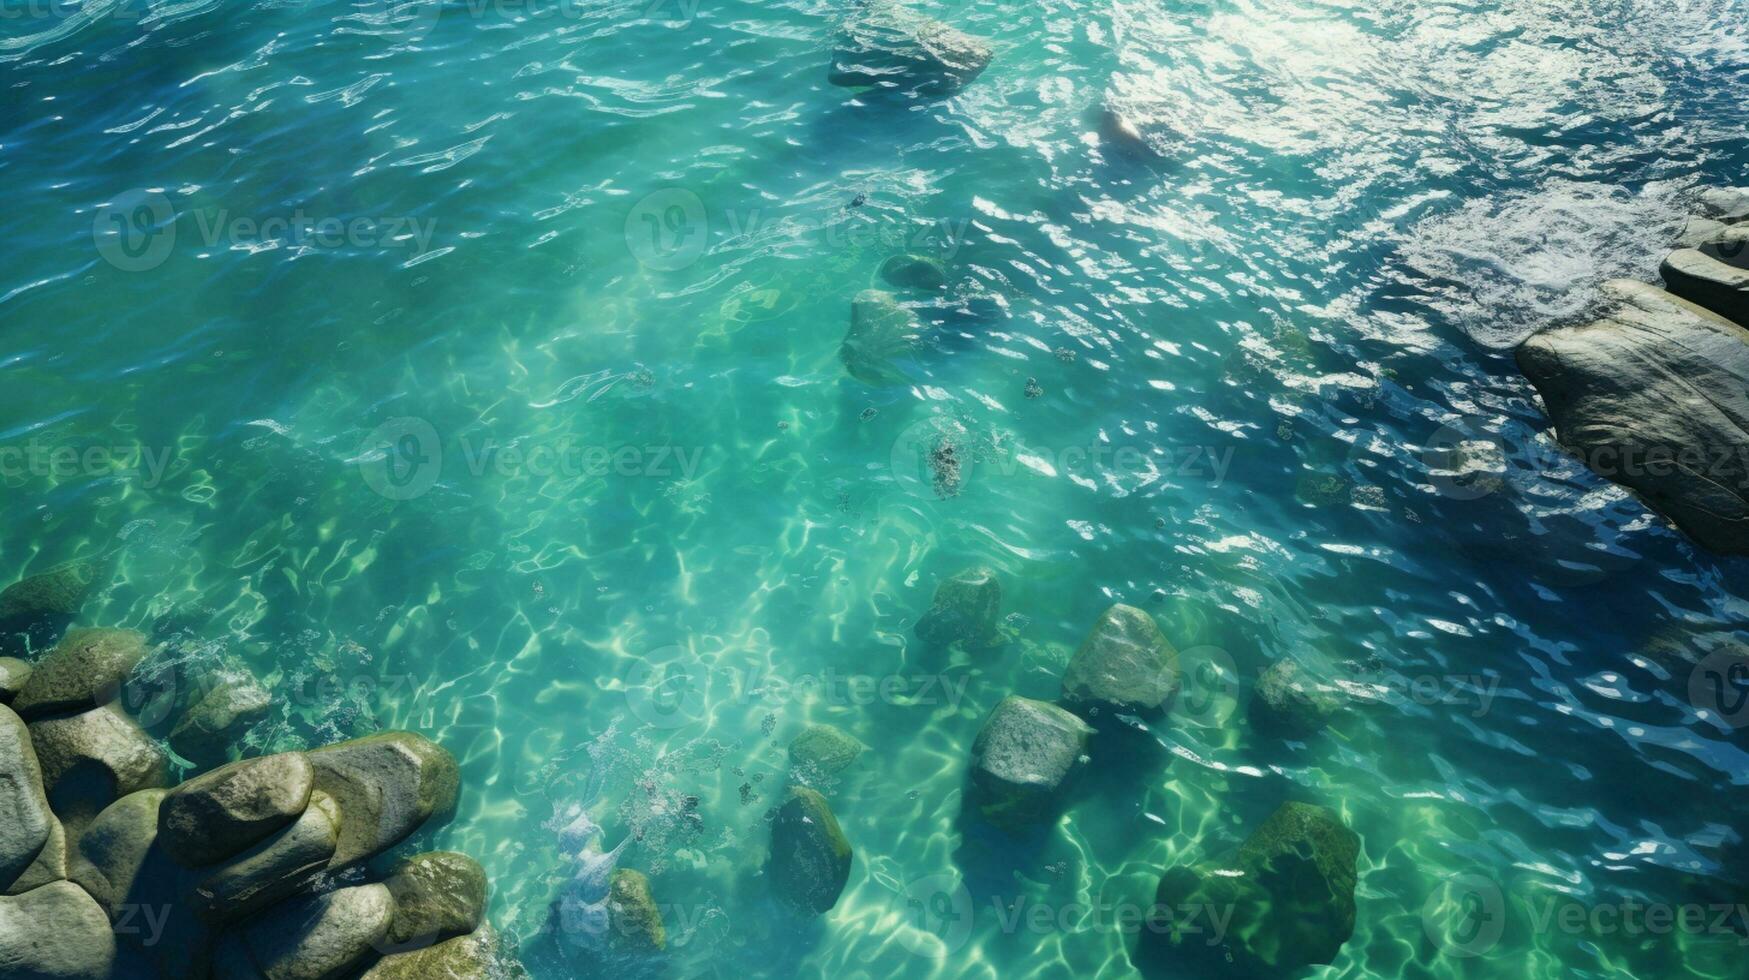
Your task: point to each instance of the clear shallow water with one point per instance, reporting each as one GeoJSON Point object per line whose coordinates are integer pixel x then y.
{"type": "Point", "coordinates": [1274, 332]}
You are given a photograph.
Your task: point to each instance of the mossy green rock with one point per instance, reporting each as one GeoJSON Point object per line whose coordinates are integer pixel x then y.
{"type": "Point", "coordinates": [317, 937]}
{"type": "Point", "coordinates": [91, 759]}
{"type": "Point", "coordinates": [85, 670]}
{"type": "Point", "coordinates": [810, 856]}
{"type": "Point", "coordinates": [437, 896]}
{"type": "Point", "coordinates": [223, 812]}
{"type": "Point", "coordinates": [41, 605]}
{"type": "Point", "coordinates": [56, 931]}
{"type": "Point", "coordinates": [822, 751]}
{"type": "Point", "coordinates": [387, 785]}
{"type": "Point", "coordinates": [1289, 888]}
{"type": "Point", "coordinates": [477, 956]}
{"type": "Point", "coordinates": [25, 819]}
{"type": "Point", "coordinates": [914, 272]}
{"type": "Point", "coordinates": [1125, 664]}
{"type": "Point", "coordinates": [1288, 702]}
{"type": "Point", "coordinates": [634, 921]}
{"type": "Point", "coordinates": [967, 609]}
{"type": "Point", "coordinates": [882, 334]}
{"type": "Point", "coordinates": [271, 870]}
{"type": "Point", "coordinates": [116, 860]}
{"type": "Point", "coordinates": [207, 732]}
{"type": "Point", "coordinates": [1024, 759]}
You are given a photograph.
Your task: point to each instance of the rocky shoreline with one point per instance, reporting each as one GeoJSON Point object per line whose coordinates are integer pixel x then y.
{"type": "Point", "coordinates": [255, 870]}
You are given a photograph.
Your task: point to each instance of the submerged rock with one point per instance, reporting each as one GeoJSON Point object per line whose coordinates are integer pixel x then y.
{"type": "Point", "coordinates": [223, 812]}
{"type": "Point", "coordinates": [1023, 760]}
{"type": "Point", "coordinates": [1655, 396]}
{"type": "Point", "coordinates": [634, 921]}
{"type": "Point", "coordinates": [318, 937]}
{"type": "Point", "coordinates": [207, 732]}
{"type": "Point", "coordinates": [1287, 702]}
{"type": "Point", "coordinates": [822, 751]}
{"type": "Point", "coordinates": [25, 818]}
{"type": "Point", "coordinates": [85, 670]}
{"type": "Point", "coordinates": [1125, 664]}
{"type": "Point", "coordinates": [1121, 136]}
{"type": "Point", "coordinates": [40, 606]}
{"type": "Point", "coordinates": [56, 931]}
{"type": "Point", "coordinates": [277, 867]}
{"type": "Point", "coordinates": [967, 609]}
{"type": "Point", "coordinates": [882, 332]}
{"type": "Point", "coordinates": [810, 856]}
{"type": "Point", "coordinates": [914, 272]}
{"type": "Point", "coordinates": [476, 956]}
{"type": "Point", "coordinates": [890, 47]}
{"type": "Point", "coordinates": [90, 760]}
{"type": "Point", "coordinates": [386, 785]}
{"type": "Point", "coordinates": [438, 896]}
{"type": "Point", "coordinates": [1289, 892]}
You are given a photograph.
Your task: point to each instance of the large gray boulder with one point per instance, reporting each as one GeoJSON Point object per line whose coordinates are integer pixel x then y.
{"type": "Point", "coordinates": [271, 870]}
{"type": "Point", "coordinates": [1655, 396]}
{"type": "Point", "coordinates": [1289, 702]}
{"type": "Point", "coordinates": [821, 752]}
{"type": "Point", "coordinates": [85, 670]}
{"type": "Point", "coordinates": [1714, 276]}
{"type": "Point", "coordinates": [223, 812]}
{"type": "Point", "coordinates": [1125, 665]}
{"type": "Point", "coordinates": [386, 784]}
{"type": "Point", "coordinates": [40, 606]}
{"type": "Point", "coordinates": [438, 896]}
{"type": "Point", "coordinates": [883, 335]}
{"type": "Point", "coordinates": [56, 931]}
{"type": "Point", "coordinates": [809, 863]}
{"type": "Point", "coordinates": [967, 609]}
{"type": "Point", "coordinates": [1288, 892]}
{"type": "Point", "coordinates": [207, 733]}
{"type": "Point", "coordinates": [25, 818]}
{"type": "Point", "coordinates": [886, 46]}
{"type": "Point", "coordinates": [91, 759]}
{"type": "Point", "coordinates": [316, 937]}
{"type": "Point", "coordinates": [1023, 760]}
{"type": "Point", "coordinates": [116, 860]}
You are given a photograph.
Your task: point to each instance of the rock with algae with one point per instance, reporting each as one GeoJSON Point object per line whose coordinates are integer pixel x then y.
{"type": "Point", "coordinates": [967, 609]}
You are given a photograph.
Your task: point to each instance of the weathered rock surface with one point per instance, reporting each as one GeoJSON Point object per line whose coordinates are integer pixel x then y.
{"type": "Point", "coordinates": [1655, 396]}
{"type": "Point", "coordinates": [1712, 278]}
{"type": "Point", "coordinates": [882, 334]}
{"type": "Point", "coordinates": [56, 931]}
{"type": "Point", "coordinates": [1125, 664]}
{"type": "Point", "coordinates": [91, 759]}
{"type": "Point", "coordinates": [908, 271]}
{"type": "Point", "coordinates": [437, 895]}
{"type": "Point", "coordinates": [272, 869]}
{"type": "Point", "coordinates": [1288, 702]}
{"type": "Point", "coordinates": [822, 751]}
{"type": "Point", "coordinates": [25, 818]}
{"type": "Point", "coordinates": [1023, 760]}
{"type": "Point", "coordinates": [810, 857]}
{"type": "Point", "coordinates": [317, 937]}
{"type": "Point", "coordinates": [116, 861]}
{"type": "Point", "coordinates": [634, 921]}
{"type": "Point", "coordinates": [1727, 204]}
{"type": "Point", "coordinates": [207, 732]}
{"type": "Point", "coordinates": [386, 785]}
{"type": "Point", "coordinates": [967, 609]}
{"type": "Point", "coordinates": [86, 669]}
{"type": "Point", "coordinates": [225, 811]}
{"type": "Point", "coordinates": [1289, 889]}
{"type": "Point", "coordinates": [887, 46]}
{"type": "Point", "coordinates": [476, 956]}
{"type": "Point", "coordinates": [40, 606]}
{"type": "Point", "coordinates": [13, 673]}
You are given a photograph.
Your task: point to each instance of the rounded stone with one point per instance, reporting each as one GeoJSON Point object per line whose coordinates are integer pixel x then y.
{"type": "Point", "coordinates": [1125, 664]}
{"type": "Point", "coordinates": [56, 931]}
{"type": "Point", "coordinates": [387, 785]}
{"type": "Point", "coordinates": [207, 732]}
{"type": "Point", "coordinates": [320, 937]}
{"type": "Point", "coordinates": [25, 818]}
{"type": "Point", "coordinates": [822, 751]}
{"type": "Point", "coordinates": [90, 760]}
{"type": "Point", "coordinates": [228, 810]}
{"type": "Point", "coordinates": [85, 670]}
{"type": "Point", "coordinates": [437, 896]}
{"type": "Point", "coordinates": [966, 609]}
{"type": "Point", "coordinates": [1023, 760]}
{"type": "Point", "coordinates": [810, 856]}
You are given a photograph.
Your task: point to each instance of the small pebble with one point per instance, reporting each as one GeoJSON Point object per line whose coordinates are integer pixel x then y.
{"type": "Point", "coordinates": [868, 413]}
{"type": "Point", "coordinates": [1033, 389]}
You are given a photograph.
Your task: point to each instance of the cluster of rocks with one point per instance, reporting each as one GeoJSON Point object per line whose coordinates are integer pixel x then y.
{"type": "Point", "coordinates": [1654, 394]}
{"type": "Point", "coordinates": [108, 869]}
{"type": "Point", "coordinates": [1290, 885]}
{"type": "Point", "coordinates": [809, 862]}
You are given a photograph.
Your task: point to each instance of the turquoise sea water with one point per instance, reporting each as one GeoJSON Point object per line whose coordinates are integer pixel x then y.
{"type": "Point", "coordinates": [584, 268]}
